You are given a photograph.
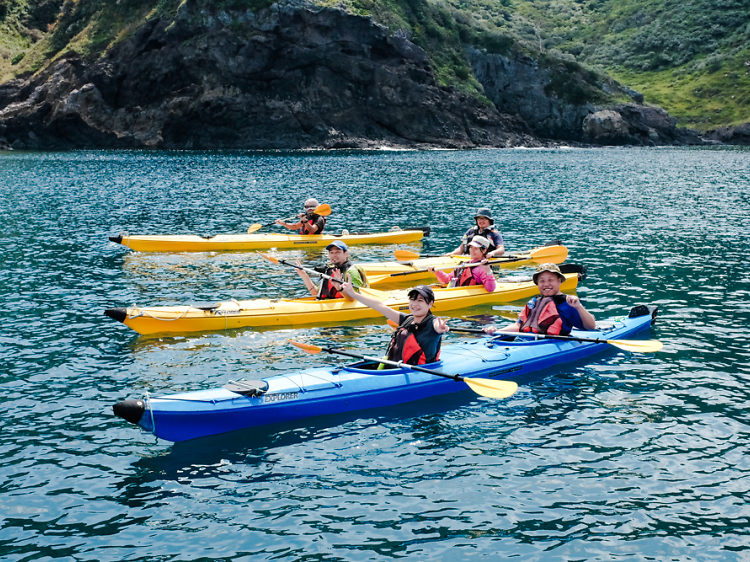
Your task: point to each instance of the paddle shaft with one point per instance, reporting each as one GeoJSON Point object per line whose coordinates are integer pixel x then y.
{"type": "Point", "coordinates": [457, 266]}
{"type": "Point", "coordinates": [399, 364]}
{"type": "Point", "coordinates": [535, 336]}
{"type": "Point", "coordinates": [312, 271]}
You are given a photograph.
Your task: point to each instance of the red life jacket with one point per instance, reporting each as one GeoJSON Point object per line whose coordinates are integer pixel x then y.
{"type": "Point", "coordinates": [328, 289]}
{"type": "Point", "coordinates": [404, 345]}
{"type": "Point", "coordinates": [547, 319]}
{"type": "Point", "coordinates": [465, 279]}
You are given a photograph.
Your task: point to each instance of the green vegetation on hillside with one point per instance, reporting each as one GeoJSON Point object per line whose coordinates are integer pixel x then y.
{"type": "Point", "coordinates": [688, 56]}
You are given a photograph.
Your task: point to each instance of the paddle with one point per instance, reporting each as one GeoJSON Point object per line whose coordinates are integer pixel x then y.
{"type": "Point", "coordinates": [483, 387]}
{"type": "Point", "coordinates": [643, 346]}
{"type": "Point", "coordinates": [538, 254]}
{"type": "Point", "coordinates": [380, 295]}
{"type": "Point", "coordinates": [453, 266]}
{"type": "Point", "coordinates": [322, 210]}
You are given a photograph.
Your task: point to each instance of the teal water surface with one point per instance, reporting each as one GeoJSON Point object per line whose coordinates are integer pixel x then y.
{"type": "Point", "coordinates": [625, 457]}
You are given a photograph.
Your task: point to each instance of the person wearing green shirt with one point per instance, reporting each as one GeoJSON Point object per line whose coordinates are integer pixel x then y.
{"type": "Point", "coordinates": [339, 267]}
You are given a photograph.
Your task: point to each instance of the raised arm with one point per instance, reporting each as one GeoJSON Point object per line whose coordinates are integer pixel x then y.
{"type": "Point", "coordinates": [375, 304]}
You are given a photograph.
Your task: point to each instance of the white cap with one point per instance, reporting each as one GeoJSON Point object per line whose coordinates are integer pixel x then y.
{"type": "Point", "coordinates": [480, 242]}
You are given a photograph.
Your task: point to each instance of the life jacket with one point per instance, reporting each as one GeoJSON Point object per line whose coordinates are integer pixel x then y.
{"type": "Point", "coordinates": [329, 289]}
{"type": "Point", "coordinates": [544, 320]}
{"type": "Point", "coordinates": [465, 277]}
{"type": "Point", "coordinates": [314, 219]}
{"type": "Point", "coordinates": [474, 231]}
{"type": "Point", "coordinates": [404, 345]}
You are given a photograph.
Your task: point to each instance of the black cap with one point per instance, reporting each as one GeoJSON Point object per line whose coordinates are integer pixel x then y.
{"type": "Point", "coordinates": [423, 290]}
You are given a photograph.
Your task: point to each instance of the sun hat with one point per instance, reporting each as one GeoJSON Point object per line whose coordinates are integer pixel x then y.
{"type": "Point", "coordinates": [338, 244]}
{"type": "Point", "coordinates": [480, 242]}
{"type": "Point", "coordinates": [550, 267]}
{"type": "Point", "coordinates": [486, 213]}
{"type": "Point", "coordinates": [423, 290]}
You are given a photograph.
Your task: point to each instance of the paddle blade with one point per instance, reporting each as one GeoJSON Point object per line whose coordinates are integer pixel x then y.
{"type": "Point", "coordinates": [306, 347]}
{"type": "Point", "coordinates": [492, 389]}
{"type": "Point", "coordinates": [323, 210]}
{"type": "Point", "coordinates": [560, 253]}
{"type": "Point", "coordinates": [392, 324]}
{"type": "Point", "coordinates": [269, 258]}
{"type": "Point", "coordinates": [642, 346]}
{"type": "Point", "coordinates": [254, 228]}
{"type": "Point", "coordinates": [405, 255]}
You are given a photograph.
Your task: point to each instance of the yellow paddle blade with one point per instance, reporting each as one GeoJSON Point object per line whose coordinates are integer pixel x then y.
{"type": "Point", "coordinates": [306, 347]}
{"type": "Point", "coordinates": [269, 258]}
{"type": "Point", "coordinates": [254, 228]}
{"type": "Point", "coordinates": [557, 252]}
{"type": "Point", "coordinates": [405, 255]}
{"type": "Point", "coordinates": [492, 389]}
{"type": "Point", "coordinates": [323, 210]}
{"type": "Point", "coordinates": [644, 346]}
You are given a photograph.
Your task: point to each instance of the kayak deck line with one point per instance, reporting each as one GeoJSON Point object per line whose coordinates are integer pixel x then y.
{"type": "Point", "coordinates": [308, 310]}
{"type": "Point", "coordinates": [294, 396]}
{"type": "Point", "coordinates": [250, 242]}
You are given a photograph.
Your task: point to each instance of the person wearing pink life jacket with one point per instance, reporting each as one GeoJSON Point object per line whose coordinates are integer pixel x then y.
{"type": "Point", "coordinates": [309, 222]}
{"type": "Point", "coordinates": [466, 276]}
{"type": "Point", "coordinates": [550, 312]}
{"type": "Point", "coordinates": [416, 341]}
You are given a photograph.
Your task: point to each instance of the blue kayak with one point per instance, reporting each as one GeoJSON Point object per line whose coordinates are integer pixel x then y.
{"type": "Point", "coordinates": [360, 386]}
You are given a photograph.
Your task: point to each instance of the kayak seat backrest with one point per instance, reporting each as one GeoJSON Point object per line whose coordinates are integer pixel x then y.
{"type": "Point", "coordinates": [643, 310]}
{"type": "Point", "coordinates": [247, 388]}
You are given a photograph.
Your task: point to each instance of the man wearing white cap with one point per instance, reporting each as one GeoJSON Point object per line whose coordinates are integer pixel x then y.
{"type": "Point", "coordinates": [309, 222]}
{"type": "Point", "coordinates": [339, 268]}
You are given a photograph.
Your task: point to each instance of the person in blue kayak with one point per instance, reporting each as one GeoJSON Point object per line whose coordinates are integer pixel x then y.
{"type": "Point", "coordinates": [309, 222]}
{"type": "Point", "coordinates": [485, 226]}
{"type": "Point", "coordinates": [416, 341]}
{"type": "Point", "coordinates": [339, 267]}
{"type": "Point", "coordinates": [551, 312]}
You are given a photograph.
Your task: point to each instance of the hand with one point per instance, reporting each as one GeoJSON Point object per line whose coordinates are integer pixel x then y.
{"type": "Point", "coordinates": [431, 269]}
{"type": "Point", "coordinates": [279, 221]}
{"type": "Point", "coordinates": [301, 216]}
{"type": "Point", "coordinates": [574, 301]}
{"type": "Point", "coordinates": [336, 274]}
{"type": "Point", "coordinates": [489, 330]}
{"type": "Point", "coordinates": [347, 289]}
{"type": "Point", "coordinates": [441, 326]}
{"type": "Point", "coordinates": [484, 261]}
{"type": "Point", "coordinates": [300, 272]}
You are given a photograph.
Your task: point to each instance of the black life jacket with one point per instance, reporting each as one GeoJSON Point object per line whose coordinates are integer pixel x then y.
{"type": "Point", "coordinates": [408, 339]}
{"type": "Point", "coordinates": [474, 231]}
{"type": "Point", "coordinates": [329, 289]}
{"type": "Point", "coordinates": [314, 219]}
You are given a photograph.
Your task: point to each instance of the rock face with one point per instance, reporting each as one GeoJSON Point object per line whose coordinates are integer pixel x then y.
{"type": "Point", "coordinates": [286, 77]}
{"type": "Point", "coordinates": [520, 87]}
{"type": "Point", "coordinates": [731, 135]}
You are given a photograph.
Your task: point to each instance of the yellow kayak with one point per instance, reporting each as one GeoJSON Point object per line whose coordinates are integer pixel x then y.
{"type": "Point", "coordinates": [285, 312]}
{"type": "Point", "coordinates": [382, 273]}
{"type": "Point", "coordinates": [242, 242]}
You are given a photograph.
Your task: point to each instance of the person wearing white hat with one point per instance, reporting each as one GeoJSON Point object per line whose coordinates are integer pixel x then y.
{"type": "Point", "coordinates": [466, 276]}
{"type": "Point", "coordinates": [309, 222]}
{"type": "Point", "coordinates": [485, 228]}
{"type": "Point", "coordinates": [550, 312]}
{"type": "Point", "coordinates": [339, 267]}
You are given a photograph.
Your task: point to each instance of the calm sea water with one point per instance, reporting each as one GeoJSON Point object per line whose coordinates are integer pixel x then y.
{"type": "Point", "coordinates": [626, 457]}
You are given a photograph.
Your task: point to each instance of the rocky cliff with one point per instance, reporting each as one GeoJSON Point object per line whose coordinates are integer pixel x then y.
{"type": "Point", "coordinates": [293, 76]}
